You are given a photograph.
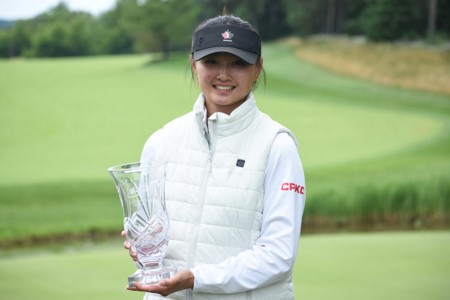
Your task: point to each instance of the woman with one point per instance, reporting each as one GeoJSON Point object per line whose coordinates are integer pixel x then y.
{"type": "Point", "coordinates": [235, 186]}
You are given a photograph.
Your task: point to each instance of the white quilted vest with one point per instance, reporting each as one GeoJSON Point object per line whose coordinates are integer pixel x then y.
{"type": "Point", "coordinates": [214, 190]}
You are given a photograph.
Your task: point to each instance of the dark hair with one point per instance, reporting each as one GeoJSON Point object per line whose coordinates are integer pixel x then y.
{"type": "Point", "coordinates": [226, 19]}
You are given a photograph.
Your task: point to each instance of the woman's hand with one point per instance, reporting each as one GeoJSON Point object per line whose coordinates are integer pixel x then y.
{"type": "Point", "coordinates": [183, 279]}
{"type": "Point", "coordinates": [127, 246]}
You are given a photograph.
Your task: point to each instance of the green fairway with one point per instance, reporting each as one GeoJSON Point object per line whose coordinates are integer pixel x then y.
{"type": "Point", "coordinates": [69, 119]}
{"type": "Point", "coordinates": [367, 150]}
{"type": "Point", "coordinates": [374, 266]}
{"type": "Point", "coordinates": [411, 266]}
{"type": "Point", "coordinates": [91, 273]}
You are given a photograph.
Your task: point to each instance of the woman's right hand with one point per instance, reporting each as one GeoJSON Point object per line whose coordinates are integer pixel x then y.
{"type": "Point", "coordinates": [127, 246]}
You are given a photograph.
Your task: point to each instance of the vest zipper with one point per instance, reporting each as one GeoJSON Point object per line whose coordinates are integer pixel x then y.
{"type": "Point", "coordinates": [211, 147]}
{"type": "Point", "coordinates": [212, 144]}
{"type": "Point", "coordinates": [211, 132]}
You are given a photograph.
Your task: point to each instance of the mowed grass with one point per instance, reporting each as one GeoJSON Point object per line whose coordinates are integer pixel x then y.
{"type": "Point", "coordinates": [64, 121]}
{"type": "Point", "coordinates": [70, 119]}
{"type": "Point", "coordinates": [374, 266]}
{"type": "Point", "coordinates": [410, 266]}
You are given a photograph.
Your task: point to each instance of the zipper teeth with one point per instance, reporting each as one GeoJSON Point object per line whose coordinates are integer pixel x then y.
{"type": "Point", "coordinates": [193, 247]}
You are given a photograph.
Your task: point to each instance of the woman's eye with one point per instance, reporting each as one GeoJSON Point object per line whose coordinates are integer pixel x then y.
{"type": "Point", "coordinates": [240, 63]}
{"type": "Point", "coordinates": [210, 61]}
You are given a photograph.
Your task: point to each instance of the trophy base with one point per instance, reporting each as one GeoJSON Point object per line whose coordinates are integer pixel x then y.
{"type": "Point", "coordinates": [151, 276]}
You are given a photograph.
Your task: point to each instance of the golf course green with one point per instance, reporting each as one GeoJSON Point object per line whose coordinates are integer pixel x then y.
{"type": "Point", "coordinates": [403, 266]}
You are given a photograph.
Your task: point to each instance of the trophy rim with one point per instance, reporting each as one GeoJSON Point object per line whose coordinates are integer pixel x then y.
{"type": "Point", "coordinates": [125, 168]}
{"type": "Point", "coordinates": [133, 167]}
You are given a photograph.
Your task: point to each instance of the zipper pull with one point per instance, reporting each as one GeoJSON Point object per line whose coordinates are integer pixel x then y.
{"type": "Point", "coordinates": [210, 162]}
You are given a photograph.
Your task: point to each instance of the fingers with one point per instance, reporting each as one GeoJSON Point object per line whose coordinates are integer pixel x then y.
{"type": "Point", "coordinates": [133, 255]}
{"type": "Point", "coordinates": [165, 282]}
{"type": "Point", "coordinates": [154, 288]}
{"type": "Point", "coordinates": [184, 279]}
{"type": "Point", "coordinates": [127, 246]}
{"type": "Point", "coordinates": [139, 287]}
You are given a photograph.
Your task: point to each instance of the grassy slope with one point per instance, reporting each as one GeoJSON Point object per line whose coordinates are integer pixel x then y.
{"type": "Point", "coordinates": [417, 67]}
{"type": "Point", "coordinates": [411, 266]}
{"type": "Point", "coordinates": [63, 122]}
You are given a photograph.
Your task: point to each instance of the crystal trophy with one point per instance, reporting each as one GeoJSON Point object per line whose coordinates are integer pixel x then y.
{"type": "Point", "coordinates": [146, 223]}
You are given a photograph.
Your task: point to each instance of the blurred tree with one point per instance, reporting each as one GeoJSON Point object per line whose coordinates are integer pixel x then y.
{"type": "Point", "coordinates": [331, 16]}
{"type": "Point", "coordinates": [352, 20]}
{"type": "Point", "coordinates": [443, 18]}
{"type": "Point", "coordinates": [212, 8]}
{"type": "Point", "coordinates": [80, 38]}
{"type": "Point", "coordinates": [306, 16]}
{"type": "Point", "coordinates": [269, 17]}
{"type": "Point", "coordinates": [160, 25]}
{"type": "Point", "coordinates": [60, 32]}
{"type": "Point", "coordinates": [21, 35]}
{"type": "Point", "coordinates": [391, 20]}
{"type": "Point", "coordinates": [5, 43]}
{"type": "Point", "coordinates": [432, 17]}
{"type": "Point", "coordinates": [52, 41]}
{"type": "Point", "coordinates": [112, 34]}
{"type": "Point", "coordinates": [15, 40]}
{"type": "Point", "coordinates": [315, 16]}
{"type": "Point", "coordinates": [167, 25]}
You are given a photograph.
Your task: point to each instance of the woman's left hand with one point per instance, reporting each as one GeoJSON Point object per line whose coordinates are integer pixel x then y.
{"type": "Point", "coordinates": [183, 279]}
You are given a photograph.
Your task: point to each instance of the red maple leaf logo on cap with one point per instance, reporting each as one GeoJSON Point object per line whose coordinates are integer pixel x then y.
{"type": "Point", "coordinates": [227, 35]}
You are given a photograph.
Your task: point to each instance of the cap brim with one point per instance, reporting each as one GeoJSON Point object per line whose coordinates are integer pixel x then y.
{"type": "Point", "coordinates": [249, 57]}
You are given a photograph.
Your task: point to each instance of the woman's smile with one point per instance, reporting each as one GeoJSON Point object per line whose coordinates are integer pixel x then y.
{"type": "Point", "coordinates": [224, 88]}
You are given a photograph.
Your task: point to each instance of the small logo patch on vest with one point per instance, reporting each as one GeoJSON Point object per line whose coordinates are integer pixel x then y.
{"type": "Point", "coordinates": [240, 163]}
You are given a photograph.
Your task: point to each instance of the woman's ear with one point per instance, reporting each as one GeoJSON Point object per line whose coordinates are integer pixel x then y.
{"type": "Point", "coordinates": [259, 66]}
{"type": "Point", "coordinates": [192, 61]}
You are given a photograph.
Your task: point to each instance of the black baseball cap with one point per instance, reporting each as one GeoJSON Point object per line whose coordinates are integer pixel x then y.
{"type": "Point", "coordinates": [242, 42]}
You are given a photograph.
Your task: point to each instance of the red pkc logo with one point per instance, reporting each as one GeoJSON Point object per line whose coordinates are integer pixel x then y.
{"type": "Point", "coordinates": [289, 186]}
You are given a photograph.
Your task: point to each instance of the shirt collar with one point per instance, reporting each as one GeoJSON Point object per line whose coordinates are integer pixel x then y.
{"type": "Point", "coordinates": [239, 118]}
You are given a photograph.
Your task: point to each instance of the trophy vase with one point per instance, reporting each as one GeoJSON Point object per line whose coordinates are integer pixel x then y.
{"type": "Point", "coordinates": [146, 223]}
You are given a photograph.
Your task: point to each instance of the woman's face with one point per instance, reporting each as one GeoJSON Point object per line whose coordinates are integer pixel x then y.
{"type": "Point", "coordinates": [225, 80]}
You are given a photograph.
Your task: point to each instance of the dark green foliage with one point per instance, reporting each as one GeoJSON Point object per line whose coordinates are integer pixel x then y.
{"type": "Point", "coordinates": [386, 20]}
{"type": "Point", "coordinates": [153, 25]}
{"type": "Point", "coordinates": [306, 17]}
{"type": "Point", "coordinates": [113, 36]}
{"type": "Point", "coordinates": [377, 19]}
{"type": "Point", "coordinates": [160, 26]}
{"type": "Point", "coordinates": [443, 17]}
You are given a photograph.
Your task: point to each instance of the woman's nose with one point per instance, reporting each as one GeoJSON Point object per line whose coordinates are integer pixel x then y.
{"type": "Point", "coordinates": [223, 72]}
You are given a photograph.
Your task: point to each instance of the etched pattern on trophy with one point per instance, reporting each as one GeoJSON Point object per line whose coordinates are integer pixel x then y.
{"type": "Point", "coordinates": [146, 223]}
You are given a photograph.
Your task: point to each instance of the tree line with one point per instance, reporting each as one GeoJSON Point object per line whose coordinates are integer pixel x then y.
{"type": "Point", "coordinates": [166, 25]}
